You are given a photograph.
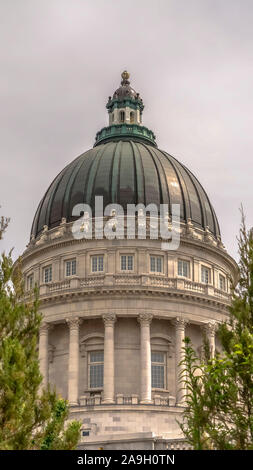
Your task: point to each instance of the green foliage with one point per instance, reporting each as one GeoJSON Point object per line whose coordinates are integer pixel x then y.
{"type": "Point", "coordinates": [29, 418]}
{"type": "Point", "coordinates": [219, 399]}
{"type": "Point", "coordinates": [53, 437]}
{"type": "Point", "coordinates": [4, 221]}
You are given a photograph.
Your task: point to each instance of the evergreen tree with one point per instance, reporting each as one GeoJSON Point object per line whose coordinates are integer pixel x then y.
{"type": "Point", "coordinates": [219, 399]}
{"type": "Point", "coordinates": [29, 418]}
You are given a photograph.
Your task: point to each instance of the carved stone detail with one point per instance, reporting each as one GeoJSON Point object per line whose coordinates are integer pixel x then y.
{"type": "Point", "coordinates": [180, 323]}
{"type": "Point", "coordinates": [109, 319]}
{"type": "Point", "coordinates": [51, 350]}
{"type": "Point", "coordinates": [74, 322]}
{"type": "Point", "coordinates": [145, 319]}
{"type": "Point", "coordinates": [44, 328]}
{"type": "Point", "coordinates": [44, 236]}
{"type": "Point", "coordinates": [209, 328]}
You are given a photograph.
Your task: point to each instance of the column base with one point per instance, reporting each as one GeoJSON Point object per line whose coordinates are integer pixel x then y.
{"type": "Point", "coordinates": [146, 402]}
{"type": "Point", "coordinates": [73, 403]}
{"type": "Point", "coordinates": [108, 401]}
{"type": "Point", "coordinates": [181, 404]}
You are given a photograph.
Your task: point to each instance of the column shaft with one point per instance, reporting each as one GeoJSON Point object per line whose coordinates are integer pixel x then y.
{"type": "Point", "coordinates": [179, 324]}
{"type": "Point", "coordinates": [209, 331]}
{"type": "Point", "coordinates": [73, 369]}
{"type": "Point", "coordinates": [145, 357]}
{"type": "Point", "coordinates": [43, 353]}
{"type": "Point", "coordinates": [109, 321]}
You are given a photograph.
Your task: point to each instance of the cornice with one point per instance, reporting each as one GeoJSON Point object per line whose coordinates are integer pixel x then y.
{"type": "Point", "coordinates": [185, 297]}
{"type": "Point", "coordinates": [66, 240]}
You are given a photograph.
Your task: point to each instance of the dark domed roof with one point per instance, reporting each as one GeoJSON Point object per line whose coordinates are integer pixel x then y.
{"type": "Point", "coordinates": [125, 90]}
{"type": "Point", "coordinates": [125, 171]}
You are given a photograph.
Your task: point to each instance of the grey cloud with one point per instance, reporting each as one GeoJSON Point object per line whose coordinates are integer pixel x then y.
{"type": "Point", "coordinates": [191, 60]}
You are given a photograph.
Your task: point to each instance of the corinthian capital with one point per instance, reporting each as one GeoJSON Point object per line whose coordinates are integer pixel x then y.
{"type": "Point", "coordinates": [209, 328]}
{"type": "Point", "coordinates": [145, 319]}
{"type": "Point", "coordinates": [44, 328]}
{"type": "Point", "coordinates": [180, 323]}
{"type": "Point", "coordinates": [109, 319]}
{"type": "Point", "coordinates": [73, 323]}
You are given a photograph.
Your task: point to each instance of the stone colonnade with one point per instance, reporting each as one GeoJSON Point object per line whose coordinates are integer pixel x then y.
{"type": "Point", "coordinates": [144, 320]}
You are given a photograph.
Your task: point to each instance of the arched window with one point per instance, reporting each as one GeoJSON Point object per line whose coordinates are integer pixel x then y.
{"type": "Point", "coordinates": [112, 117]}
{"type": "Point", "coordinates": [122, 116]}
{"type": "Point", "coordinates": [131, 117]}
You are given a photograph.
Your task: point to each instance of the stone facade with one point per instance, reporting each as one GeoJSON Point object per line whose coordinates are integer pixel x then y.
{"type": "Point", "coordinates": [127, 315]}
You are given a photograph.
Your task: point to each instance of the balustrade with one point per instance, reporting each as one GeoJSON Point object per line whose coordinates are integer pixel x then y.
{"type": "Point", "coordinates": [145, 280]}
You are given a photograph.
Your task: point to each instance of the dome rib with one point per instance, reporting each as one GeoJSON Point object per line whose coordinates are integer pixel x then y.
{"type": "Point", "coordinates": [180, 184]}
{"type": "Point", "coordinates": [52, 198]}
{"type": "Point", "coordinates": [185, 193]}
{"type": "Point", "coordinates": [140, 197]}
{"type": "Point", "coordinates": [198, 196]}
{"type": "Point", "coordinates": [92, 176]}
{"type": "Point", "coordinates": [115, 172]}
{"type": "Point", "coordinates": [215, 220]}
{"type": "Point", "coordinates": [135, 172]}
{"type": "Point", "coordinates": [191, 192]}
{"type": "Point", "coordinates": [111, 172]}
{"type": "Point", "coordinates": [101, 182]}
{"type": "Point", "coordinates": [77, 190]}
{"type": "Point", "coordinates": [68, 191]}
{"type": "Point", "coordinates": [167, 199]}
{"type": "Point", "coordinates": [205, 204]}
{"type": "Point", "coordinates": [36, 217]}
{"type": "Point", "coordinates": [44, 206]}
{"type": "Point", "coordinates": [161, 177]}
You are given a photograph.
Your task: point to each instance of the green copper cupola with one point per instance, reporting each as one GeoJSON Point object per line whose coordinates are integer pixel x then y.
{"type": "Point", "coordinates": [126, 106]}
{"type": "Point", "coordinates": [125, 110]}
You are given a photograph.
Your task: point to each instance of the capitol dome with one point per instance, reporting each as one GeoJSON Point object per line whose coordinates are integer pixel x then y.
{"type": "Point", "coordinates": [125, 167]}
{"type": "Point", "coordinates": [116, 310]}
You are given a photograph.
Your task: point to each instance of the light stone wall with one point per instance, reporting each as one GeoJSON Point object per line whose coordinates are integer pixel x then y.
{"type": "Point", "coordinates": [127, 302]}
{"type": "Point", "coordinates": [217, 260]}
{"type": "Point", "coordinates": [58, 364]}
{"type": "Point", "coordinates": [127, 356]}
{"type": "Point", "coordinates": [127, 110]}
{"type": "Point", "coordinates": [118, 422]}
{"type": "Point", "coordinates": [127, 353]}
{"type": "Point", "coordinates": [131, 305]}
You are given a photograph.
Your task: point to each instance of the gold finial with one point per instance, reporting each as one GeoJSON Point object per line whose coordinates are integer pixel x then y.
{"type": "Point", "coordinates": [125, 75]}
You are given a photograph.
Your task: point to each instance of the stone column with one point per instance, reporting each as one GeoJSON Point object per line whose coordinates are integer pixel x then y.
{"type": "Point", "coordinates": [209, 331]}
{"type": "Point", "coordinates": [43, 353]}
{"type": "Point", "coordinates": [73, 378]}
{"type": "Point", "coordinates": [145, 364]}
{"type": "Point", "coordinates": [109, 321]}
{"type": "Point", "coordinates": [179, 324]}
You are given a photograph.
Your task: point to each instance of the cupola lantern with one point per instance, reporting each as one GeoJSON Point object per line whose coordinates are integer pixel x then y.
{"type": "Point", "coordinates": [125, 110]}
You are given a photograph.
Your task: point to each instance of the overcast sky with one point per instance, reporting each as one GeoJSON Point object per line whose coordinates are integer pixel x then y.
{"type": "Point", "coordinates": [191, 61]}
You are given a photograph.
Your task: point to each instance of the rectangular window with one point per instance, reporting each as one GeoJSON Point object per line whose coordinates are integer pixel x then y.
{"type": "Point", "coordinates": [97, 263]}
{"type": "Point", "coordinates": [205, 275]}
{"type": "Point", "coordinates": [96, 369]}
{"type": "Point", "coordinates": [156, 264]}
{"type": "Point", "coordinates": [158, 369]}
{"type": "Point", "coordinates": [222, 282]}
{"type": "Point", "coordinates": [71, 267]}
{"type": "Point", "coordinates": [48, 274]}
{"type": "Point", "coordinates": [122, 116]}
{"type": "Point", "coordinates": [183, 268]}
{"type": "Point", "coordinates": [30, 282]}
{"type": "Point", "coordinates": [127, 262]}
